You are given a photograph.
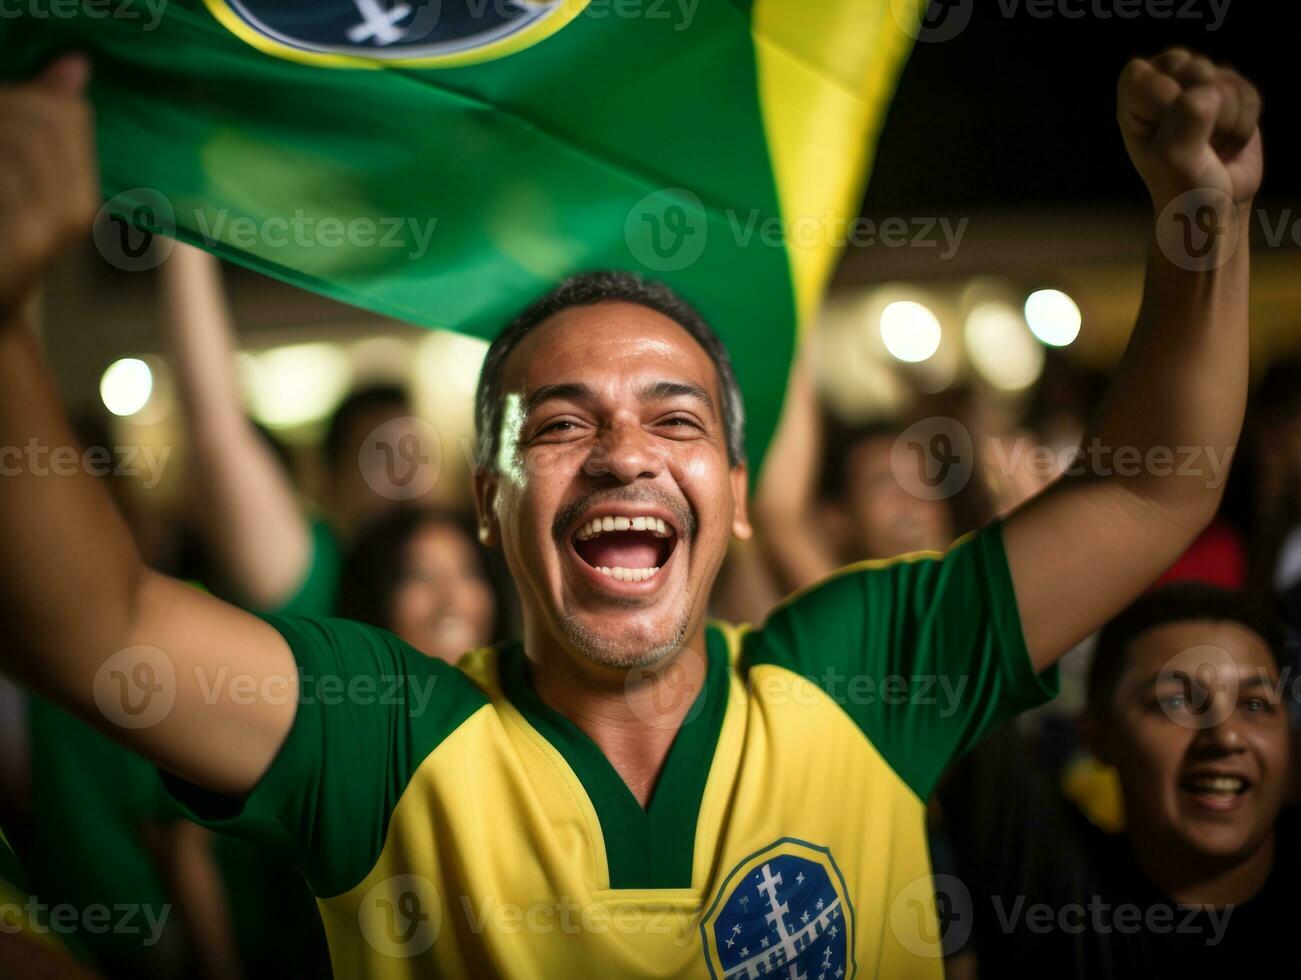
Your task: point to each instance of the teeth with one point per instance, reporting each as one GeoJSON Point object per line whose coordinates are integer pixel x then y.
{"type": "Point", "coordinates": [629, 574]}
{"type": "Point", "coordinates": [599, 525]}
{"type": "Point", "coordinates": [1217, 784]}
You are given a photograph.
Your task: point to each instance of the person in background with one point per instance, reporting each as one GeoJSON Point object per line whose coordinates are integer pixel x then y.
{"type": "Point", "coordinates": [861, 511]}
{"type": "Point", "coordinates": [424, 577]}
{"type": "Point", "coordinates": [1186, 703]}
{"type": "Point", "coordinates": [275, 557]}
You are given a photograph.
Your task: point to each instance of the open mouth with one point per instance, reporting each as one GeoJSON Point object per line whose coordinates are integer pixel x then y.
{"type": "Point", "coordinates": [626, 548]}
{"type": "Point", "coordinates": [1217, 792]}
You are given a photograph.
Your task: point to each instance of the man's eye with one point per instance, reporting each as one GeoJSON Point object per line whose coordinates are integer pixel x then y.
{"type": "Point", "coordinates": [680, 422]}
{"type": "Point", "coordinates": [561, 425]}
{"type": "Point", "coordinates": [1174, 702]}
{"type": "Point", "coordinates": [1256, 704]}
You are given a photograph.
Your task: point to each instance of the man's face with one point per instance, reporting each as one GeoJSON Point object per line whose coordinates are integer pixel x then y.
{"type": "Point", "coordinates": [1199, 737]}
{"type": "Point", "coordinates": [888, 520]}
{"type": "Point", "coordinates": [612, 495]}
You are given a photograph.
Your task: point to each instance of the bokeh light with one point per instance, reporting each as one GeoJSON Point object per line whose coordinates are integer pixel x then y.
{"type": "Point", "coordinates": [126, 385]}
{"type": "Point", "coordinates": [1053, 317]}
{"type": "Point", "coordinates": [910, 331]}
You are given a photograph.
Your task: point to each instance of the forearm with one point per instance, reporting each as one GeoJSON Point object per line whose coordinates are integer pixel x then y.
{"type": "Point", "coordinates": [71, 575]}
{"type": "Point", "coordinates": [251, 519]}
{"type": "Point", "coordinates": [784, 496]}
{"type": "Point", "coordinates": [1153, 464]}
{"type": "Point", "coordinates": [1170, 422]}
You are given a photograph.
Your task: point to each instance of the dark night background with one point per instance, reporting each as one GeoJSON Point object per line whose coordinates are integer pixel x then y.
{"type": "Point", "coordinates": [1020, 111]}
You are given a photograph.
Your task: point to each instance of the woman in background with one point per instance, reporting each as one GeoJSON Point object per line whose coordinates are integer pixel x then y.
{"type": "Point", "coordinates": [421, 575]}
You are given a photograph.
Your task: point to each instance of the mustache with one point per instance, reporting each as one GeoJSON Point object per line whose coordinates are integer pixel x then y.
{"type": "Point", "coordinates": [683, 516]}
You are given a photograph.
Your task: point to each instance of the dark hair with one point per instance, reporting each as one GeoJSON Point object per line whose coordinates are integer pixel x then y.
{"type": "Point", "coordinates": [589, 289]}
{"type": "Point", "coordinates": [355, 407]}
{"type": "Point", "coordinates": [1177, 603]}
{"type": "Point", "coordinates": [841, 441]}
{"type": "Point", "coordinates": [375, 563]}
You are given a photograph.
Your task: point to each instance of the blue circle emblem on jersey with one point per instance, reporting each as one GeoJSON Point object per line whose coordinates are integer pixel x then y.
{"type": "Point", "coordinates": [782, 912]}
{"type": "Point", "coordinates": [429, 32]}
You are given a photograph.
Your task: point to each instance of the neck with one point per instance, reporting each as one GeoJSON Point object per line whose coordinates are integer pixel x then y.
{"type": "Point", "coordinates": [1204, 881]}
{"type": "Point", "coordinates": [632, 715]}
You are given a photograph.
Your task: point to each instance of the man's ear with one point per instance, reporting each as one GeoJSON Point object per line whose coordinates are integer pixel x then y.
{"type": "Point", "coordinates": [740, 476]}
{"type": "Point", "coordinates": [485, 506]}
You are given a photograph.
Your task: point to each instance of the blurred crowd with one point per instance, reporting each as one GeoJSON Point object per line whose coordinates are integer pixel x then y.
{"type": "Point", "coordinates": [1144, 786]}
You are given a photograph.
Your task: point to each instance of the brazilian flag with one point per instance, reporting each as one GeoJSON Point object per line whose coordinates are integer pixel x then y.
{"type": "Point", "coordinates": [445, 162]}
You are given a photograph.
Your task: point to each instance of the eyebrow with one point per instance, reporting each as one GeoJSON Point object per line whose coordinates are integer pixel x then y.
{"type": "Point", "coordinates": [1253, 680]}
{"type": "Point", "coordinates": [678, 389]}
{"type": "Point", "coordinates": [570, 390]}
{"type": "Point", "coordinates": [577, 391]}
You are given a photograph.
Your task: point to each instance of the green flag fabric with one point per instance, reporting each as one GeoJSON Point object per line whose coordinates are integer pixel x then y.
{"type": "Point", "coordinates": [445, 162]}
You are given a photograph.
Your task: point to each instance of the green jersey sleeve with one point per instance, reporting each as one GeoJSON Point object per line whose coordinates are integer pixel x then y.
{"type": "Point", "coordinates": [370, 709]}
{"type": "Point", "coordinates": [319, 588]}
{"type": "Point", "coordinates": [925, 653]}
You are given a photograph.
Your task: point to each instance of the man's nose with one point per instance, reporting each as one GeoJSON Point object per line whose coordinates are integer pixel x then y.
{"type": "Point", "coordinates": [626, 452]}
{"type": "Point", "coordinates": [1224, 735]}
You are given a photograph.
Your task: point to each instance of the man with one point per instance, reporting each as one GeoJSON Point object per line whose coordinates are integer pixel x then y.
{"type": "Point", "coordinates": [1185, 701]}
{"type": "Point", "coordinates": [627, 792]}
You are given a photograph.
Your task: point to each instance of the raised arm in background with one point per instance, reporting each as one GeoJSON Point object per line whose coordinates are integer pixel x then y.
{"type": "Point", "coordinates": [1155, 458]}
{"type": "Point", "coordinates": [252, 520]}
{"type": "Point", "coordinates": [86, 621]}
{"type": "Point", "coordinates": [783, 507]}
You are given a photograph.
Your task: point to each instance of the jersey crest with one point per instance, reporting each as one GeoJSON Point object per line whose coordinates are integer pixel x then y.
{"type": "Point", "coordinates": [782, 912]}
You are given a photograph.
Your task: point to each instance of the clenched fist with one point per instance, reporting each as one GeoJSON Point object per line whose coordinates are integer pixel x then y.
{"type": "Point", "coordinates": [1190, 126]}
{"type": "Point", "coordinates": [49, 187]}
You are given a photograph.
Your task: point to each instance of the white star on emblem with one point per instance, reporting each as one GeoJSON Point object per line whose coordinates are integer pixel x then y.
{"type": "Point", "coordinates": [805, 916]}
{"type": "Point", "coordinates": [736, 929]}
{"type": "Point", "coordinates": [745, 950]}
{"type": "Point", "coordinates": [799, 878]}
{"type": "Point", "coordinates": [818, 906]}
{"type": "Point", "coordinates": [764, 942]}
{"type": "Point", "coordinates": [730, 942]}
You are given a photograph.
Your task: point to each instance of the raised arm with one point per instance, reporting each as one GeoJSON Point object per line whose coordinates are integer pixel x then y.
{"type": "Point", "coordinates": [1154, 461]}
{"type": "Point", "coordinates": [784, 496]}
{"type": "Point", "coordinates": [146, 659]}
{"type": "Point", "coordinates": [252, 521]}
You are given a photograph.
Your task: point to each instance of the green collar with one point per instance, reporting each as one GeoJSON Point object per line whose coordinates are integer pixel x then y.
{"type": "Point", "coordinates": [650, 848]}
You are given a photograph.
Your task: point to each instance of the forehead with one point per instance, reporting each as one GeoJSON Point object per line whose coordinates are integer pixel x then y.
{"type": "Point", "coordinates": [1195, 641]}
{"type": "Point", "coordinates": [604, 346]}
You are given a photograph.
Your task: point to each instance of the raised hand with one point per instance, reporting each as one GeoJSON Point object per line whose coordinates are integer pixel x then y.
{"type": "Point", "coordinates": [1190, 125]}
{"type": "Point", "coordinates": [49, 187]}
